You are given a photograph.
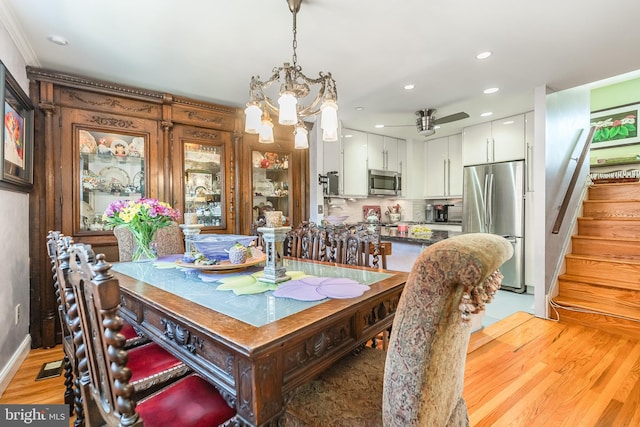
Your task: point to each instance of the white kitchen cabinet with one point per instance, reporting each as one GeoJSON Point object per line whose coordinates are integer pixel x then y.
{"type": "Point", "coordinates": [376, 156]}
{"type": "Point", "coordinates": [383, 153]}
{"type": "Point", "coordinates": [353, 176]}
{"type": "Point", "coordinates": [443, 167]}
{"type": "Point", "coordinates": [496, 141]}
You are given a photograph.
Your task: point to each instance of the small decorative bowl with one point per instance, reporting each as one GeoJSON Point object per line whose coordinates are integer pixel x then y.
{"type": "Point", "coordinates": [216, 246]}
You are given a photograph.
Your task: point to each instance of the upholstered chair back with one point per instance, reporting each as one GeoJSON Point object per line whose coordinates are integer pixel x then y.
{"type": "Point", "coordinates": [424, 369]}
{"type": "Point", "coordinates": [169, 240]}
{"type": "Point", "coordinates": [418, 382]}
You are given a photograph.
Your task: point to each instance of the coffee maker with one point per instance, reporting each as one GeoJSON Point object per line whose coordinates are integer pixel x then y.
{"type": "Point", "coordinates": [441, 213]}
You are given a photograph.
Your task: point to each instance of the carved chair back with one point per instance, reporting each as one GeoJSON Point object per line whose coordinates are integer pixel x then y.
{"type": "Point", "coordinates": [355, 245]}
{"type": "Point", "coordinates": [57, 245]}
{"type": "Point", "coordinates": [307, 241]}
{"type": "Point", "coordinates": [108, 396]}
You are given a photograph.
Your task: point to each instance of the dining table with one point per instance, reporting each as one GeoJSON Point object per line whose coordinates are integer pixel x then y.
{"type": "Point", "coordinates": [258, 341]}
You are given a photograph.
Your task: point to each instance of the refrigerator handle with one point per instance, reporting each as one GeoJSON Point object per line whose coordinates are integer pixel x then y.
{"type": "Point", "coordinates": [490, 203]}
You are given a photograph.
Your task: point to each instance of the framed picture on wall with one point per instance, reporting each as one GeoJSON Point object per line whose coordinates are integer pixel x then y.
{"type": "Point", "coordinates": [16, 139]}
{"type": "Point", "coordinates": [615, 126]}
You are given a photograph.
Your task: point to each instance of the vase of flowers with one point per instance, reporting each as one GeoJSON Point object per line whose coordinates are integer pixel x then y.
{"type": "Point", "coordinates": [143, 217]}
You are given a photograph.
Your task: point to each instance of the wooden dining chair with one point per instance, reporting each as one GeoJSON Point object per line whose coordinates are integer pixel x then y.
{"type": "Point", "coordinates": [419, 380]}
{"type": "Point", "coordinates": [306, 241]}
{"type": "Point", "coordinates": [157, 366]}
{"type": "Point", "coordinates": [109, 394]}
{"type": "Point", "coordinates": [169, 240]}
{"type": "Point", "coordinates": [57, 247]}
{"type": "Point", "coordinates": [355, 245]}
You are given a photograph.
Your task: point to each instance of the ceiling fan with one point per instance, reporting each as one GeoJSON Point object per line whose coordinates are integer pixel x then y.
{"type": "Point", "coordinates": [426, 120]}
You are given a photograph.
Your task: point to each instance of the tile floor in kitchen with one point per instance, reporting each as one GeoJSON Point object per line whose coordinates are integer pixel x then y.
{"type": "Point", "coordinates": [506, 303]}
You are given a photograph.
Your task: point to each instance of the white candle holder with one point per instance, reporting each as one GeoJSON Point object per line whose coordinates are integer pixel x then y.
{"type": "Point", "coordinates": [190, 230]}
{"type": "Point", "coordinates": [273, 237]}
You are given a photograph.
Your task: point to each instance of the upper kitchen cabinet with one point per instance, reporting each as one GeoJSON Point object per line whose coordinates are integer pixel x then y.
{"type": "Point", "coordinates": [354, 175]}
{"type": "Point", "coordinates": [496, 141]}
{"type": "Point", "coordinates": [443, 167]}
{"type": "Point", "coordinates": [385, 153]}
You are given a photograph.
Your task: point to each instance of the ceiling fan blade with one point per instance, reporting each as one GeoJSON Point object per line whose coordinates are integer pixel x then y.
{"type": "Point", "coordinates": [450, 118]}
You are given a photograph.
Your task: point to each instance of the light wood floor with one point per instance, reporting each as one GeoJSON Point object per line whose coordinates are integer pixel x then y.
{"type": "Point", "coordinates": [521, 371]}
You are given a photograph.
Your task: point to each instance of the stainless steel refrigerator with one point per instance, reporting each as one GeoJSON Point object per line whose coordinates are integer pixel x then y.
{"type": "Point", "coordinates": [493, 202]}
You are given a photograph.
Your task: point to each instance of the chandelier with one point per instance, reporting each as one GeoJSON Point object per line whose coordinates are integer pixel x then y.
{"type": "Point", "coordinates": [295, 87]}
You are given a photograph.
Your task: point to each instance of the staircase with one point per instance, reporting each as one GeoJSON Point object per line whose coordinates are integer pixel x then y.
{"type": "Point", "coordinates": [601, 286]}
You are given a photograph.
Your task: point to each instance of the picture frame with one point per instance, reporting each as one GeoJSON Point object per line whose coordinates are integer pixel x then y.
{"type": "Point", "coordinates": [16, 138]}
{"type": "Point", "coordinates": [615, 126]}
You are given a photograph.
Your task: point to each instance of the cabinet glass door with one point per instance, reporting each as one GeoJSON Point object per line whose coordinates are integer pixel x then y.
{"type": "Point", "coordinates": [111, 168]}
{"type": "Point", "coordinates": [204, 182]}
{"type": "Point", "coordinates": [270, 185]}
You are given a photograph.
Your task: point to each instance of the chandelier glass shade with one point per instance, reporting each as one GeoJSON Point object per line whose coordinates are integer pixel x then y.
{"type": "Point", "coordinates": [294, 91]}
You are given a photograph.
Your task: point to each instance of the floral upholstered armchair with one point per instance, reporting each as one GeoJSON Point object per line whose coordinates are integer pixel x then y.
{"type": "Point", "coordinates": [419, 380]}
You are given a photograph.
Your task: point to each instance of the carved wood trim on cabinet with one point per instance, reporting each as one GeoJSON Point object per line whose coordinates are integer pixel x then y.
{"type": "Point", "coordinates": [67, 103]}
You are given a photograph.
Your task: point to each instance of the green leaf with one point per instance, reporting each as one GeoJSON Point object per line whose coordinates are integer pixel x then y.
{"type": "Point", "coordinates": [256, 288]}
{"type": "Point", "coordinates": [613, 132]}
{"type": "Point", "coordinates": [231, 283]}
{"type": "Point", "coordinates": [624, 132]}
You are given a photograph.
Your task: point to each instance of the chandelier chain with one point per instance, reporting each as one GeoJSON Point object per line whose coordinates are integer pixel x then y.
{"type": "Point", "coordinates": [295, 40]}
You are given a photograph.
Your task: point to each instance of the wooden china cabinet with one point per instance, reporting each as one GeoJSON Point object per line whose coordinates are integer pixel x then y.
{"type": "Point", "coordinates": [96, 142]}
{"type": "Point", "coordinates": [272, 176]}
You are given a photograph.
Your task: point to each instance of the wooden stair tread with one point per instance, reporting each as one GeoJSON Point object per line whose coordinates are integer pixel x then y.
{"type": "Point", "coordinates": [599, 282]}
{"type": "Point", "coordinates": [604, 309]}
{"type": "Point", "coordinates": [604, 259]}
{"type": "Point", "coordinates": [602, 238]}
{"type": "Point", "coordinates": [608, 218]}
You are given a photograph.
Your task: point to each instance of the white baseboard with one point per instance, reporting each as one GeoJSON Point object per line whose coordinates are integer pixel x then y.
{"type": "Point", "coordinates": [14, 364]}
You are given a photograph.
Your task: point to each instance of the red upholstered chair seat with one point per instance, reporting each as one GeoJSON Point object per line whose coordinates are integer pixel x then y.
{"type": "Point", "coordinates": [151, 364]}
{"type": "Point", "coordinates": [131, 336]}
{"type": "Point", "coordinates": [190, 401]}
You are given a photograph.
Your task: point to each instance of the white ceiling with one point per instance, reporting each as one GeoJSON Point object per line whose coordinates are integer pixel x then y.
{"type": "Point", "coordinates": [209, 49]}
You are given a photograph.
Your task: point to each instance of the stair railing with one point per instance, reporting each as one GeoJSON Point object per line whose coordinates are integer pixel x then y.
{"type": "Point", "coordinates": [572, 184]}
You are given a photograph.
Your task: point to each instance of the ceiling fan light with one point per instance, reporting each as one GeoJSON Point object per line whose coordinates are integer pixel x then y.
{"type": "Point", "coordinates": [301, 137]}
{"type": "Point", "coordinates": [253, 121]}
{"type": "Point", "coordinates": [288, 114]}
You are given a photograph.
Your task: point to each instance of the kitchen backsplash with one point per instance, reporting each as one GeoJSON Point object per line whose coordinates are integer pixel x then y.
{"type": "Point", "coordinates": [410, 210]}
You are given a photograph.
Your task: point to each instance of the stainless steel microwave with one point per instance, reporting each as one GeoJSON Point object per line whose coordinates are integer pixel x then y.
{"type": "Point", "coordinates": [384, 183]}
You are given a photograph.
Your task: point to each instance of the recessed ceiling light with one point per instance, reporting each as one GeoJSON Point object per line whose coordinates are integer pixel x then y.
{"type": "Point", "coordinates": [409, 87]}
{"type": "Point", "coordinates": [483, 55]}
{"type": "Point", "coordinates": [348, 135]}
{"type": "Point", "coordinates": [491, 90]}
{"type": "Point", "coordinates": [59, 40]}
{"type": "Point", "coordinates": [487, 114]}
{"type": "Point", "coordinates": [359, 108]}
{"type": "Point", "coordinates": [436, 127]}
{"type": "Point", "coordinates": [379, 126]}
{"type": "Point", "coordinates": [508, 122]}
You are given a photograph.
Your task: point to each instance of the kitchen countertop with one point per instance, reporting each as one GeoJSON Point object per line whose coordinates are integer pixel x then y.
{"type": "Point", "coordinates": [390, 234]}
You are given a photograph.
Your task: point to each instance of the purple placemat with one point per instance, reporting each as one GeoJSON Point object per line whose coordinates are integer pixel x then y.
{"type": "Point", "coordinates": [317, 288]}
